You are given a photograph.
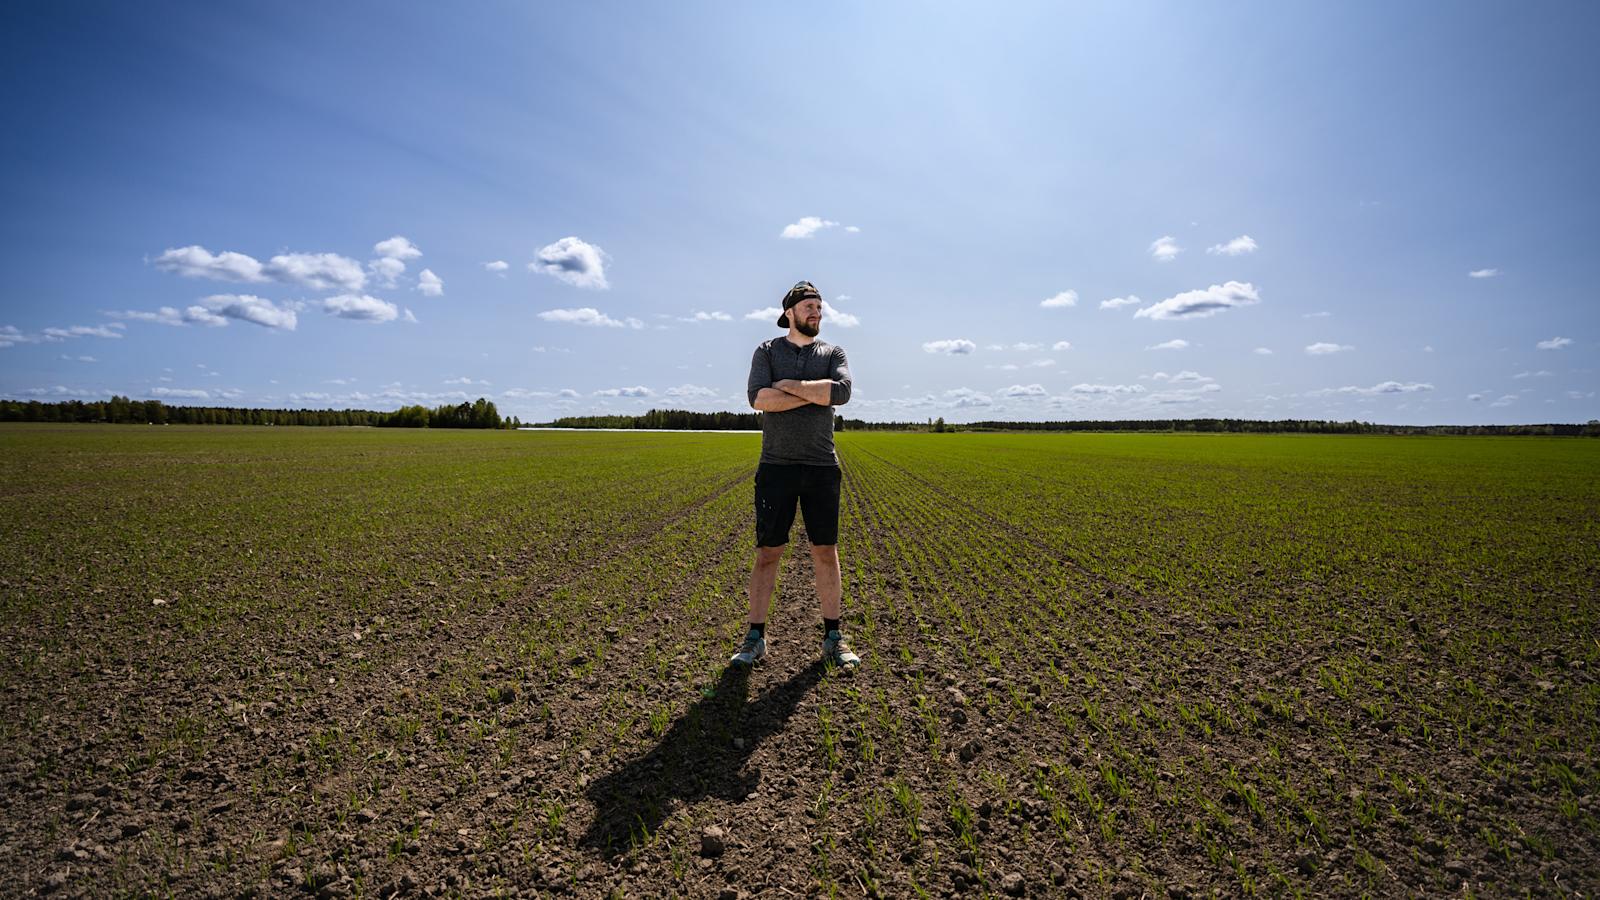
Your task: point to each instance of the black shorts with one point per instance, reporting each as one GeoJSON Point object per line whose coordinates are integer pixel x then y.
{"type": "Point", "coordinates": [779, 488]}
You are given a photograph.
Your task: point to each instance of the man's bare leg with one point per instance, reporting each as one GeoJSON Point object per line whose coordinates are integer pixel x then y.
{"type": "Point", "coordinates": [825, 563]}
{"type": "Point", "coordinates": [763, 577]}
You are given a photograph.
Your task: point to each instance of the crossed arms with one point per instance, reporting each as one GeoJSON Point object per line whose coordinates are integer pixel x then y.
{"type": "Point", "coordinates": [788, 394]}
{"type": "Point", "coordinates": [780, 395]}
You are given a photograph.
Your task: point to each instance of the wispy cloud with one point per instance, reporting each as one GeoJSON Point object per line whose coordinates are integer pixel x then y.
{"type": "Point", "coordinates": [430, 284]}
{"type": "Point", "coordinates": [1262, 351]}
{"type": "Point", "coordinates": [1542, 373]}
{"type": "Point", "coordinates": [1061, 345]}
{"type": "Point", "coordinates": [396, 247]}
{"type": "Point", "coordinates": [1483, 273]}
{"type": "Point", "coordinates": [1383, 387]}
{"type": "Point", "coordinates": [318, 271]}
{"type": "Point", "coordinates": [590, 316]}
{"type": "Point", "coordinates": [953, 347]}
{"type": "Point", "coordinates": [573, 261]}
{"type": "Point", "coordinates": [1106, 389]}
{"type": "Point", "coordinates": [835, 317]}
{"type": "Point", "coordinates": [702, 316]}
{"type": "Point", "coordinates": [1237, 247]}
{"type": "Point", "coordinates": [1319, 314]}
{"type": "Point", "coordinates": [1165, 248]}
{"type": "Point", "coordinates": [1324, 348]}
{"type": "Point", "coordinates": [11, 335]}
{"type": "Point", "coordinates": [1555, 343]}
{"type": "Point", "coordinates": [635, 391]}
{"type": "Point", "coordinates": [195, 261]}
{"type": "Point", "coordinates": [1174, 344]}
{"type": "Point", "coordinates": [361, 308]}
{"type": "Point", "coordinates": [1199, 304]}
{"type": "Point", "coordinates": [1184, 377]}
{"type": "Point", "coordinates": [1023, 391]}
{"type": "Point", "coordinates": [809, 226]}
{"type": "Point", "coordinates": [1061, 300]}
{"type": "Point", "coordinates": [498, 266]}
{"type": "Point", "coordinates": [1116, 302]}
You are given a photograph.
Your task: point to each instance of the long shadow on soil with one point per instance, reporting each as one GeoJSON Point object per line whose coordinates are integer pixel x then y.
{"type": "Point", "coordinates": [697, 758]}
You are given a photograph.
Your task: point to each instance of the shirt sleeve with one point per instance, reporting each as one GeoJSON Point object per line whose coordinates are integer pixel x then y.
{"type": "Point", "coordinates": [760, 373]}
{"type": "Point", "coordinates": [839, 395]}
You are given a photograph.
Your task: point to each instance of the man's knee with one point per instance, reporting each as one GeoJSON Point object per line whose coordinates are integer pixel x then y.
{"type": "Point", "coordinates": [825, 552]}
{"type": "Point", "coordinates": [769, 556]}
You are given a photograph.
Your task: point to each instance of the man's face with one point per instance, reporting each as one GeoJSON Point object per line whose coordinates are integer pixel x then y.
{"type": "Point", "coordinates": [807, 316]}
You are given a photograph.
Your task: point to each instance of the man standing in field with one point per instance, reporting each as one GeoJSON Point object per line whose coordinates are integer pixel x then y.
{"type": "Point", "coordinates": [797, 380]}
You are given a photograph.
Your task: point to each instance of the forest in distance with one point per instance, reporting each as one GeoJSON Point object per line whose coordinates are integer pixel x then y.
{"type": "Point", "coordinates": [483, 414]}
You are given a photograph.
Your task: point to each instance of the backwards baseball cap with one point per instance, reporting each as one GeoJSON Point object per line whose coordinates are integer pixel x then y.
{"type": "Point", "coordinates": [802, 290]}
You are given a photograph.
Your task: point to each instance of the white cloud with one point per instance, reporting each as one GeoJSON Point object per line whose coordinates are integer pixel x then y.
{"type": "Point", "coordinates": [805, 228]}
{"type": "Point", "coordinates": [361, 307]}
{"type": "Point", "coordinates": [1321, 314]}
{"type": "Point", "coordinates": [572, 260]}
{"type": "Point", "coordinates": [409, 317]}
{"type": "Point", "coordinates": [715, 316]}
{"type": "Point", "coordinates": [197, 262]}
{"type": "Point", "coordinates": [1023, 391]}
{"type": "Point", "coordinates": [1184, 377]}
{"type": "Point", "coordinates": [1323, 348]}
{"type": "Point", "coordinates": [1199, 304]}
{"type": "Point", "coordinates": [87, 359]}
{"type": "Point", "coordinates": [967, 398]}
{"type": "Point", "coordinates": [853, 229]}
{"type": "Point", "coordinates": [636, 391]}
{"type": "Point", "coordinates": [834, 316]}
{"type": "Point", "coordinates": [1063, 299]}
{"type": "Point", "coordinates": [319, 271]}
{"type": "Point", "coordinates": [180, 393]}
{"type": "Point", "coordinates": [1555, 343]}
{"type": "Point", "coordinates": [1542, 373]}
{"type": "Point", "coordinates": [567, 394]}
{"type": "Point", "coordinates": [690, 392]}
{"type": "Point", "coordinates": [465, 380]}
{"type": "Point", "coordinates": [1165, 248]}
{"type": "Point", "coordinates": [429, 284]}
{"type": "Point", "coordinates": [1505, 400]}
{"type": "Point", "coordinates": [955, 347]}
{"type": "Point", "coordinates": [1041, 364]}
{"type": "Point", "coordinates": [590, 316]}
{"type": "Point", "coordinates": [1174, 344]}
{"type": "Point", "coordinates": [1061, 345]}
{"type": "Point", "coordinates": [1237, 247]}
{"type": "Point", "coordinates": [396, 247]}
{"type": "Point", "coordinates": [765, 314]}
{"type": "Point", "coordinates": [1428, 349]}
{"type": "Point", "coordinates": [111, 330]}
{"type": "Point", "coordinates": [1475, 397]}
{"type": "Point", "coordinates": [1115, 302]}
{"type": "Point", "coordinates": [1384, 387]}
{"type": "Point", "coordinates": [1483, 273]}
{"type": "Point", "coordinates": [386, 270]}
{"type": "Point", "coordinates": [1107, 389]}
{"type": "Point", "coordinates": [1262, 351]}
{"type": "Point", "coordinates": [497, 266]}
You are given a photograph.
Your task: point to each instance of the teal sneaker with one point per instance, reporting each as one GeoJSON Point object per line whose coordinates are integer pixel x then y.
{"type": "Point", "coordinates": [752, 651]}
{"type": "Point", "coordinates": [835, 652]}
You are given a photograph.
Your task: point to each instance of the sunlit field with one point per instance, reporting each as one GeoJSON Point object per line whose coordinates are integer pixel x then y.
{"type": "Point", "coordinates": [365, 662]}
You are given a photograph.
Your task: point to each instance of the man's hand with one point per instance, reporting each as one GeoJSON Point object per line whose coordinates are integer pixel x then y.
{"type": "Point", "coordinates": [772, 400]}
{"type": "Point", "coordinates": [819, 392]}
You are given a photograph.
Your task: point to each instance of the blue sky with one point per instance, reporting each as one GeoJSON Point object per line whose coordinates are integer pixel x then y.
{"type": "Point", "coordinates": [1373, 211]}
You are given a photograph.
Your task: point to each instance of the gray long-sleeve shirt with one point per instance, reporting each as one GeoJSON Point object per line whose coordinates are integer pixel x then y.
{"type": "Point", "coordinates": [803, 435]}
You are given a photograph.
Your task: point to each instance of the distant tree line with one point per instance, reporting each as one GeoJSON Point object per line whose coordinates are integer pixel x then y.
{"type": "Point", "coordinates": [482, 414]}
{"type": "Point", "coordinates": [681, 419]}
{"type": "Point", "coordinates": [120, 410]}
{"type": "Point", "coordinates": [1290, 426]}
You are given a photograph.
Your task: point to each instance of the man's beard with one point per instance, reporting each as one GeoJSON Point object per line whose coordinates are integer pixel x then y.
{"type": "Point", "coordinates": [806, 328]}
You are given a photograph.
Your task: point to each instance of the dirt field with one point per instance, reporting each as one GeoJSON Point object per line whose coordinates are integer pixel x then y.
{"type": "Point", "coordinates": [363, 663]}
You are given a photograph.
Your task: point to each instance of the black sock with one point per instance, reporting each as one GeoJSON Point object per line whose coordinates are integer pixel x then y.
{"type": "Point", "coordinates": [759, 628]}
{"type": "Point", "coordinates": [829, 625]}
